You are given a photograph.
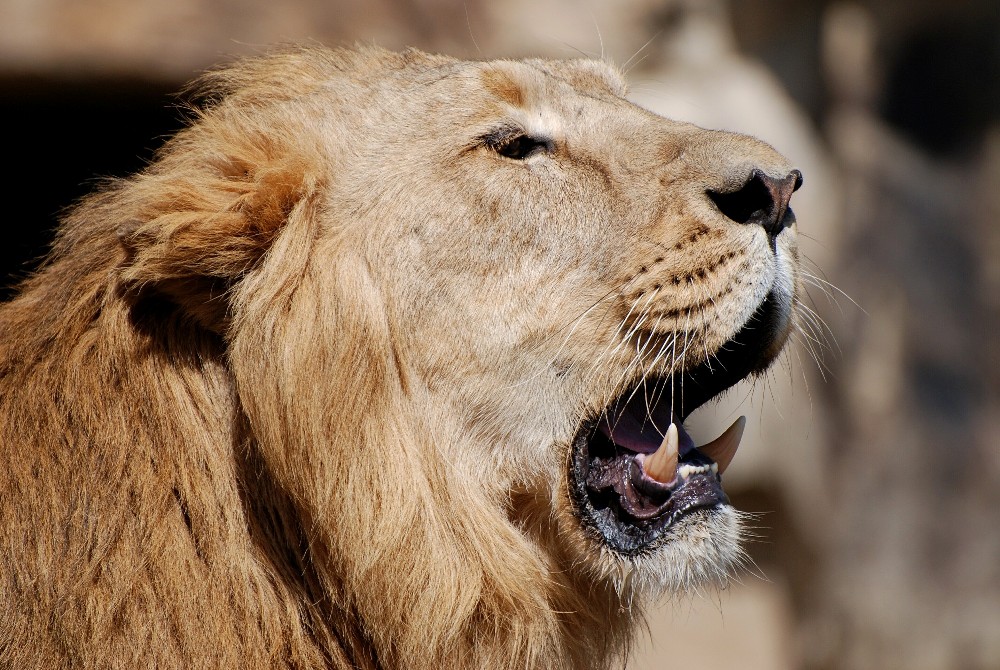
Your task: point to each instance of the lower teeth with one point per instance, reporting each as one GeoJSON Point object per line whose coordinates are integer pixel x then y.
{"type": "Point", "coordinates": [686, 471]}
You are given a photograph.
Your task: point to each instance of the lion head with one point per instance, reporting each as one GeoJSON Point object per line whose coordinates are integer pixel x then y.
{"type": "Point", "coordinates": [409, 343]}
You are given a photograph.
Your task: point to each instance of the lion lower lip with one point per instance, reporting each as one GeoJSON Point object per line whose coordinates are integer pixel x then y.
{"type": "Point", "coordinates": [643, 492]}
{"type": "Point", "coordinates": [625, 506]}
{"type": "Point", "coordinates": [618, 475]}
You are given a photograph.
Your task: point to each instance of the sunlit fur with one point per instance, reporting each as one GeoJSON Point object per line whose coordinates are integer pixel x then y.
{"type": "Point", "coordinates": [302, 393]}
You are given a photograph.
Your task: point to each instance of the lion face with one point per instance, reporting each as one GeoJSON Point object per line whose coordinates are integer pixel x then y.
{"type": "Point", "coordinates": [563, 275]}
{"type": "Point", "coordinates": [384, 362]}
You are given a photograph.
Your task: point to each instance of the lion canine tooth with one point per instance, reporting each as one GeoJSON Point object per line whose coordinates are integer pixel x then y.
{"type": "Point", "coordinates": [723, 448]}
{"type": "Point", "coordinates": [662, 464]}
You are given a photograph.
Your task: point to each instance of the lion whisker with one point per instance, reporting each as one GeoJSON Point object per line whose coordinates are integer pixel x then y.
{"type": "Point", "coordinates": [830, 289]}
{"type": "Point", "coordinates": [573, 325]}
{"type": "Point", "coordinates": [624, 340]}
{"type": "Point", "coordinates": [616, 341]}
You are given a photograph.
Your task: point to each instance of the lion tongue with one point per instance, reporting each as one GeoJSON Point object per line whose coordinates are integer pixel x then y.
{"type": "Point", "coordinates": [723, 448]}
{"type": "Point", "coordinates": [635, 428]}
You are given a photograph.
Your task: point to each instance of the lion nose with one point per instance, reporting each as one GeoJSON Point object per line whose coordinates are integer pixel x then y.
{"type": "Point", "coordinates": [762, 200]}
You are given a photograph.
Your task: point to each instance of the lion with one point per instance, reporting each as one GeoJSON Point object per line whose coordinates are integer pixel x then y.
{"type": "Point", "coordinates": [383, 363]}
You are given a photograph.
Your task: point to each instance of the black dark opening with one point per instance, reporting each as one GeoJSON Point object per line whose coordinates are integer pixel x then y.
{"type": "Point", "coordinates": [65, 136]}
{"type": "Point", "coordinates": [752, 201]}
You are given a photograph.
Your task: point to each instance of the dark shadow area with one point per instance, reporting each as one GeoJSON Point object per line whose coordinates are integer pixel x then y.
{"type": "Point", "coordinates": [65, 136]}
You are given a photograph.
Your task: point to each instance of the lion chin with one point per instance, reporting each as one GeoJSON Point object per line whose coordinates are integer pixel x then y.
{"type": "Point", "coordinates": [384, 362]}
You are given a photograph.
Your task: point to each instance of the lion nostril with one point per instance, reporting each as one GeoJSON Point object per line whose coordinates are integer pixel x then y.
{"type": "Point", "coordinates": [762, 200]}
{"type": "Point", "coordinates": [750, 201]}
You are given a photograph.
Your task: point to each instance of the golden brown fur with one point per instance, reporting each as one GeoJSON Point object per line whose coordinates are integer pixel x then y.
{"type": "Point", "coordinates": [299, 395]}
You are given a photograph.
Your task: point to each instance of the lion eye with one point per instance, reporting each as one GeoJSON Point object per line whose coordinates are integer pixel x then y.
{"type": "Point", "coordinates": [516, 145]}
{"type": "Point", "coordinates": [523, 146]}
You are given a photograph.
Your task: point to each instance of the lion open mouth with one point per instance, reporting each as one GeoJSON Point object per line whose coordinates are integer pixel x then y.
{"type": "Point", "coordinates": [635, 471]}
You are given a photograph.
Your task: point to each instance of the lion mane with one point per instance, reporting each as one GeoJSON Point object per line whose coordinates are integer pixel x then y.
{"type": "Point", "coordinates": [319, 387]}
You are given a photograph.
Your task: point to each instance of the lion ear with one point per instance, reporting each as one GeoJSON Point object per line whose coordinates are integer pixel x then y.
{"type": "Point", "coordinates": [204, 221]}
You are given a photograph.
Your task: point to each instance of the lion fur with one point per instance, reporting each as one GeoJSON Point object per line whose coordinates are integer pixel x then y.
{"type": "Point", "coordinates": [222, 450]}
{"type": "Point", "coordinates": [161, 507]}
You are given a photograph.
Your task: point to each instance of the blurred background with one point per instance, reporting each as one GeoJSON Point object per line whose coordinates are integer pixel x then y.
{"type": "Point", "coordinates": [872, 459]}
